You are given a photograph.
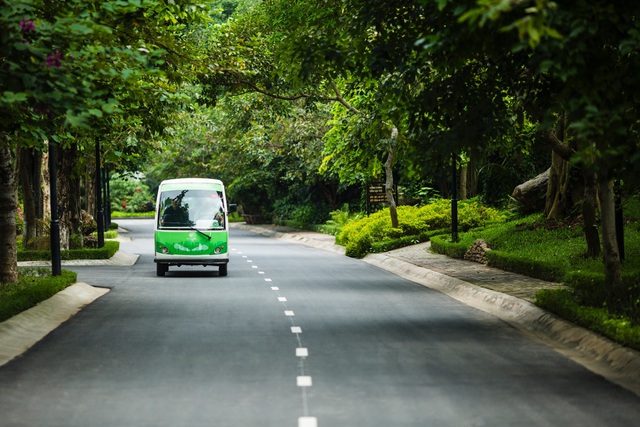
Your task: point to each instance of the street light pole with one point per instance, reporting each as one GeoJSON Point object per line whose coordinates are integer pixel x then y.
{"type": "Point", "coordinates": [56, 263]}
{"type": "Point", "coordinates": [99, 206]}
{"type": "Point", "coordinates": [454, 198]}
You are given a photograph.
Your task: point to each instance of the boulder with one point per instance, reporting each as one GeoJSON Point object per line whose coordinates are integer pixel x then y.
{"type": "Point", "coordinates": [478, 252]}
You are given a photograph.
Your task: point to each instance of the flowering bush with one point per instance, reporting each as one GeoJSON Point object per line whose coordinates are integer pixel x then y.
{"type": "Point", "coordinates": [19, 221]}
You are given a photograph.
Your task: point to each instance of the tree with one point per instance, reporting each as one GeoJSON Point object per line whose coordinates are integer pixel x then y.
{"type": "Point", "coordinates": [592, 49]}
{"type": "Point", "coordinates": [65, 64]}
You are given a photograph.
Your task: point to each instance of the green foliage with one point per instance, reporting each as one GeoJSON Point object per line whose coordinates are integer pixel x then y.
{"type": "Point", "coordinates": [34, 286]}
{"type": "Point", "coordinates": [525, 246]}
{"type": "Point", "coordinates": [106, 252]}
{"type": "Point", "coordinates": [555, 252]}
{"type": "Point", "coordinates": [339, 218]}
{"type": "Point", "coordinates": [307, 215]}
{"type": "Point", "coordinates": [110, 234]}
{"type": "Point", "coordinates": [442, 244]}
{"type": "Point", "coordinates": [563, 303]}
{"type": "Point", "coordinates": [19, 221]}
{"type": "Point", "coordinates": [358, 236]}
{"type": "Point", "coordinates": [121, 214]}
{"type": "Point", "coordinates": [130, 195]}
{"type": "Point", "coordinates": [537, 265]}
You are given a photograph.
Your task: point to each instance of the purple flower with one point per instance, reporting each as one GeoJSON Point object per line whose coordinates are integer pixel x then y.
{"type": "Point", "coordinates": [27, 25]}
{"type": "Point", "coordinates": [54, 60]}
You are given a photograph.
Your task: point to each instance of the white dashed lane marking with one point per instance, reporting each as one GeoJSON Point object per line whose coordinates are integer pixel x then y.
{"type": "Point", "coordinates": [307, 422]}
{"type": "Point", "coordinates": [302, 380]}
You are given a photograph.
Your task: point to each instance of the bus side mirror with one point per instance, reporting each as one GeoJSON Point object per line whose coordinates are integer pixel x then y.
{"type": "Point", "coordinates": [232, 208]}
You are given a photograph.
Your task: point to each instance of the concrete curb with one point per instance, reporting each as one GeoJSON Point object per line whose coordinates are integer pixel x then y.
{"type": "Point", "coordinates": [611, 360]}
{"type": "Point", "coordinates": [22, 331]}
{"type": "Point", "coordinates": [119, 258]}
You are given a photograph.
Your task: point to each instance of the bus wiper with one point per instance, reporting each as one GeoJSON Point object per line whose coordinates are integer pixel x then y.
{"type": "Point", "coordinates": [205, 235]}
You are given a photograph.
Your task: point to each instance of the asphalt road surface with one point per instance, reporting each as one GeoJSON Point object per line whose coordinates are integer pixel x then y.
{"type": "Point", "coordinates": [293, 336]}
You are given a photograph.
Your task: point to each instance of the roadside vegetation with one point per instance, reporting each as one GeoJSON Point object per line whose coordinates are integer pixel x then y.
{"type": "Point", "coordinates": [526, 244]}
{"type": "Point", "coordinates": [300, 107]}
{"type": "Point", "coordinates": [35, 285]}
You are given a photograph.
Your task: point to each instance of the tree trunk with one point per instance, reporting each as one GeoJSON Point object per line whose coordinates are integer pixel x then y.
{"type": "Point", "coordinates": [46, 187]}
{"type": "Point", "coordinates": [68, 196]}
{"type": "Point", "coordinates": [464, 171]}
{"type": "Point", "coordinates": [30, 171]}
{"type": "Point", "coordinates": [90, 189]}
{"type": "Point", "coordinates": [388, 168]}
{"type": "Point", "coordinates": [8, 209]}
{"type": "Point", "coordinates": [472, 179]}
{"type": "Point", "coordinates": [590, 213]}
{"type": "Point", "coordinates": [565, 185]}
{"type": "Point", "coordinates": [558, 201]}
{"type": "Point", "coordinates": [612, 264]}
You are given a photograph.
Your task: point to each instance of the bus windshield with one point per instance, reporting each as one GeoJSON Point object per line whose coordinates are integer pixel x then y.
{"type": "Point", "coordinates": [201, 209]}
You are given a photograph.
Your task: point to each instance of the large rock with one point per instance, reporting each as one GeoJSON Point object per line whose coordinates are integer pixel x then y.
{"type": "Point", "coordinates": [478, 252]}
{"type": "Point", "coordinates": [531, 194]}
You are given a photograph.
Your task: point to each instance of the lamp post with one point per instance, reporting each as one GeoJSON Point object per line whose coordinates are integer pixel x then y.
{"type": "Point", "coordinates": [454, 198]}
{"type": "Point", "coordinates": [99, 206]}
{"type": "Point", "coordinates": [54, 234]}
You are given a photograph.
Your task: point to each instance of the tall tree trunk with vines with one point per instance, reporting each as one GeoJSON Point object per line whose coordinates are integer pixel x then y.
{"type": "Point", "coordinates": [8, 209]}
{"type": "Point", "coordinates": [389, 184]}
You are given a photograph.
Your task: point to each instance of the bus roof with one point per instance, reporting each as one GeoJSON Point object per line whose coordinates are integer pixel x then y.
{"type": "Point", "coordinates": [191, 181]}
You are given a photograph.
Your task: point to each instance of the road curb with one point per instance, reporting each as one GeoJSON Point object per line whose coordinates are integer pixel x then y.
{"type": "Point", "coordinates": [119, 258]}
{"type": "Point", "coordinates": [615, 362]}
{"type": "Point", "coordinates": [25, 329]}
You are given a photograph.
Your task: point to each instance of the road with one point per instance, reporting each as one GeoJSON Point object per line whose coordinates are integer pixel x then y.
{"type": "Point", "coordinates": [294, 336]}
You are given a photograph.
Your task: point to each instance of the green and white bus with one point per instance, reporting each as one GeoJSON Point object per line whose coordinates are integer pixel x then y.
{"type": "Point", "coordinates": [191, 226]}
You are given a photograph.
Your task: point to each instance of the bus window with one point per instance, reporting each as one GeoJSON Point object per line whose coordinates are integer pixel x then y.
{"type": "Point", "coordinates": [202, 209]}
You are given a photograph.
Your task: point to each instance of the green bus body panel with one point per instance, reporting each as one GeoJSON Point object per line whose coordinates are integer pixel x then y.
{"type": "Point", "coordinates": [192, 186]}
{"type": "Point", "coordinates": [191, 243]}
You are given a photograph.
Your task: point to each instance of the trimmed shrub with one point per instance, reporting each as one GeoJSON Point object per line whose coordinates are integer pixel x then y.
{"type": "Point", "coordinates": [563, 303]}
{"type": "Point", "coordinates": [543, 270]}
{"type": "Point", "coordinates": [106, 252]}
{"type": "Point", "coordinates": [442, 244]}
{"type": "Point", "coordinates": [358, 236]}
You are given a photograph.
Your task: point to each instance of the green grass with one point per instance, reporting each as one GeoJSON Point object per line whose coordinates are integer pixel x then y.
{"type": "Point", "coordinates": [111, 234]}
{"type": "Point", "coordinates": [528, 245]}
{"type": "Point", "coordinates": [35, 285]}
{"type": "Point", "coordinates": [120, 214]}
{"type": "Point", "coordinates": [533, 247]}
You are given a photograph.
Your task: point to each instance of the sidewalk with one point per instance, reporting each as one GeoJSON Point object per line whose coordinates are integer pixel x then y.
{"type": "Point", "coordinates": [506, 295]}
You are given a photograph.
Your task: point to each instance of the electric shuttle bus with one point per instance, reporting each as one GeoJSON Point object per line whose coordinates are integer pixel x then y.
{"type": "Point", "coordinates": [191, 226]}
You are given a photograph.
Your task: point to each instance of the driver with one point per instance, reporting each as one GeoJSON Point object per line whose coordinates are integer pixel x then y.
{"type": "Point", "coordinates": [175, 213]}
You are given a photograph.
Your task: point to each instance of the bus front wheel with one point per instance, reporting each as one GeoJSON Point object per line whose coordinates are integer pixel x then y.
{"type": "Point", "coordinates": [222, 270]}
{"type": "Point", "coordinates": [161, 269]}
